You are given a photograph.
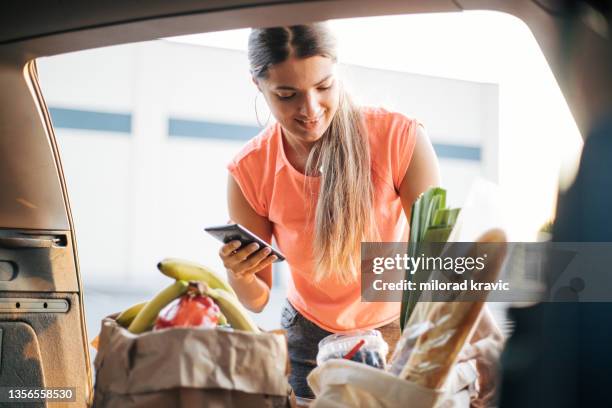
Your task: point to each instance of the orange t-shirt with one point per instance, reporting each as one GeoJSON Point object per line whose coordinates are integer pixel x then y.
{"type": "Point", "coordinates": [276, 190]}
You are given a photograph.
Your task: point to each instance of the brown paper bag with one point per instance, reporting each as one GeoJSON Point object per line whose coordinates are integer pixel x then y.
{"type": "Point", "coordinates": [340, 383]}
{"type": "Point", "coordinates": [188, 367]}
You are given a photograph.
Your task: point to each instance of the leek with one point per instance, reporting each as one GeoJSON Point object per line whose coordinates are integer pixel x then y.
{"type": "Point", "coordinates": [430, 221]}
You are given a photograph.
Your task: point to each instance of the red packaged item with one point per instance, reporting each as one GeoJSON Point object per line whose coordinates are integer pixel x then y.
{"type": "Point", "coordinates": [193, 309]}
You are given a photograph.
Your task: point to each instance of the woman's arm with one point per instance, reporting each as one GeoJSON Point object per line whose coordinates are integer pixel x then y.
{"type": "Point", "coordinates": [251, 278]}
{"type": "Point", "coordinates": [423, 172]}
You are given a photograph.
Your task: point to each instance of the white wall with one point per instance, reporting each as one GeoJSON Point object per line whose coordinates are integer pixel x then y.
{"type": "Point", "coordinates": [140, 197]}
{"type": "Point", "coordinates": [97, 168]}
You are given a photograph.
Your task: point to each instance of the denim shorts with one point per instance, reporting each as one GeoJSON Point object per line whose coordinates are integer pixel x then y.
{"type": "Point", "coordinates": [303, 339]}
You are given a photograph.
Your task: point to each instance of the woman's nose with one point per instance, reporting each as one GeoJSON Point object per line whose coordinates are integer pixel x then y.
{"type": "Point", "coordinates": [310, 107]}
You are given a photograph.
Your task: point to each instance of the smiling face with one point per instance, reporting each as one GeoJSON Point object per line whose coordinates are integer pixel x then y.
{"type": "Point", "coordinates": [303, 95]}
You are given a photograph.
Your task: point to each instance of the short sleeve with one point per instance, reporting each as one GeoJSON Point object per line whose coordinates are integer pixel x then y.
{"type": "Point", "coordinates": [403, 139]}
{"type": "Point", "coordinates": [248, 185]}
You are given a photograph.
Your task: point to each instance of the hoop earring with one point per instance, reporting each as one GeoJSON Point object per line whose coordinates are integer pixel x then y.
{"type": "Point", "coordinates": [257, 115]}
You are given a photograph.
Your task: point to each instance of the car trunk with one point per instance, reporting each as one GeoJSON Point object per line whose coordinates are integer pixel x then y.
{"type": "Point", "coordinates": [43, 338]}
{"type": "Point", "coordinates": [42, 330]}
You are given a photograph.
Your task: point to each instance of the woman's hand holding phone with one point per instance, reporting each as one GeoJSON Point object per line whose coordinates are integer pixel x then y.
{"type": "Point", "coordinates": [243, 262]}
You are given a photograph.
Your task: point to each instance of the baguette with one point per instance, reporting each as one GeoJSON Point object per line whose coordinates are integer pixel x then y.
{"type": "Point", "coordinates": [437, 349]}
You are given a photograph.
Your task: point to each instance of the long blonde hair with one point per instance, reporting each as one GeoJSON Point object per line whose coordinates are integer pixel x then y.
{"type": "Point", "coordinates": [344, 214]}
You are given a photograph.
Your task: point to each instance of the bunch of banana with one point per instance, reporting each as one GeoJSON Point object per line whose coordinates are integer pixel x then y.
{"type": "Point", "coordinates": [145, 318]}
{"type": "Point", "coordinates": [141, 317]}
{"type": "Point", "coordinates": [180, 269]}
{"type": "Point", "coordinates": [230, 306]}
{"type": "Point", "coordinates": [127, 316]}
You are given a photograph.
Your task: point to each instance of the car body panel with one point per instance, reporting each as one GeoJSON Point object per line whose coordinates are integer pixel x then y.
{"type": "Point", "coordinates": [34, 202]}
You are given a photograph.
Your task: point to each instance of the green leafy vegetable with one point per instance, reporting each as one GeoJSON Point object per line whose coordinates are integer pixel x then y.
{"type": "Point", "coordinates": [430, 221]}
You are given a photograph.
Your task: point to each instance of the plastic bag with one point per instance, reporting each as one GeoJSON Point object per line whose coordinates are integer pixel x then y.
{"type": "Point", "coordinates": [405, 345]}
{"type": "Point", "coordinates": [365, 346]}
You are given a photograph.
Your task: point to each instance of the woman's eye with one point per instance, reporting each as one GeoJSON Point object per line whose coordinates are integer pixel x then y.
{"type": "Point", "coordinates": [327, 86]}
{"type": "Point", "coordinates": [285, 96]}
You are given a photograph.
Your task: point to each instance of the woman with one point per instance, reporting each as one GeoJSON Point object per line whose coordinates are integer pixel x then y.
{"type": "Point", "coordinates": [322, 179]}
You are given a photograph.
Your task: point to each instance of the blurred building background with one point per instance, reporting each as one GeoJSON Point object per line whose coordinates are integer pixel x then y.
{"type": "Point", "coordinates": [145, 132]}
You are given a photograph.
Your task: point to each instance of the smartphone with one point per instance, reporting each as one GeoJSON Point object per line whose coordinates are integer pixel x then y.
{"type": "Point", "coordinates": [232, 232]}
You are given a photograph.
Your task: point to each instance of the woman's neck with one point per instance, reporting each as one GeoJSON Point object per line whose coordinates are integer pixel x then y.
{"type": "Point", "coordinates": [296, 151]}
{"type": "Point", "coordinates": [299, 147]}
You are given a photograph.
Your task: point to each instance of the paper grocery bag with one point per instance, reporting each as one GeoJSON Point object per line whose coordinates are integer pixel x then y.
{"type": "Point", "coordinates": [343, 383]}
{"type": "Point", "coordinates": [184, 367]}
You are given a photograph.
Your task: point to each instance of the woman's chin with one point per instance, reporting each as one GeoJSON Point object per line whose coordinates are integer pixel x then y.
{"type": "Point", "coordinates": [309, 136]}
